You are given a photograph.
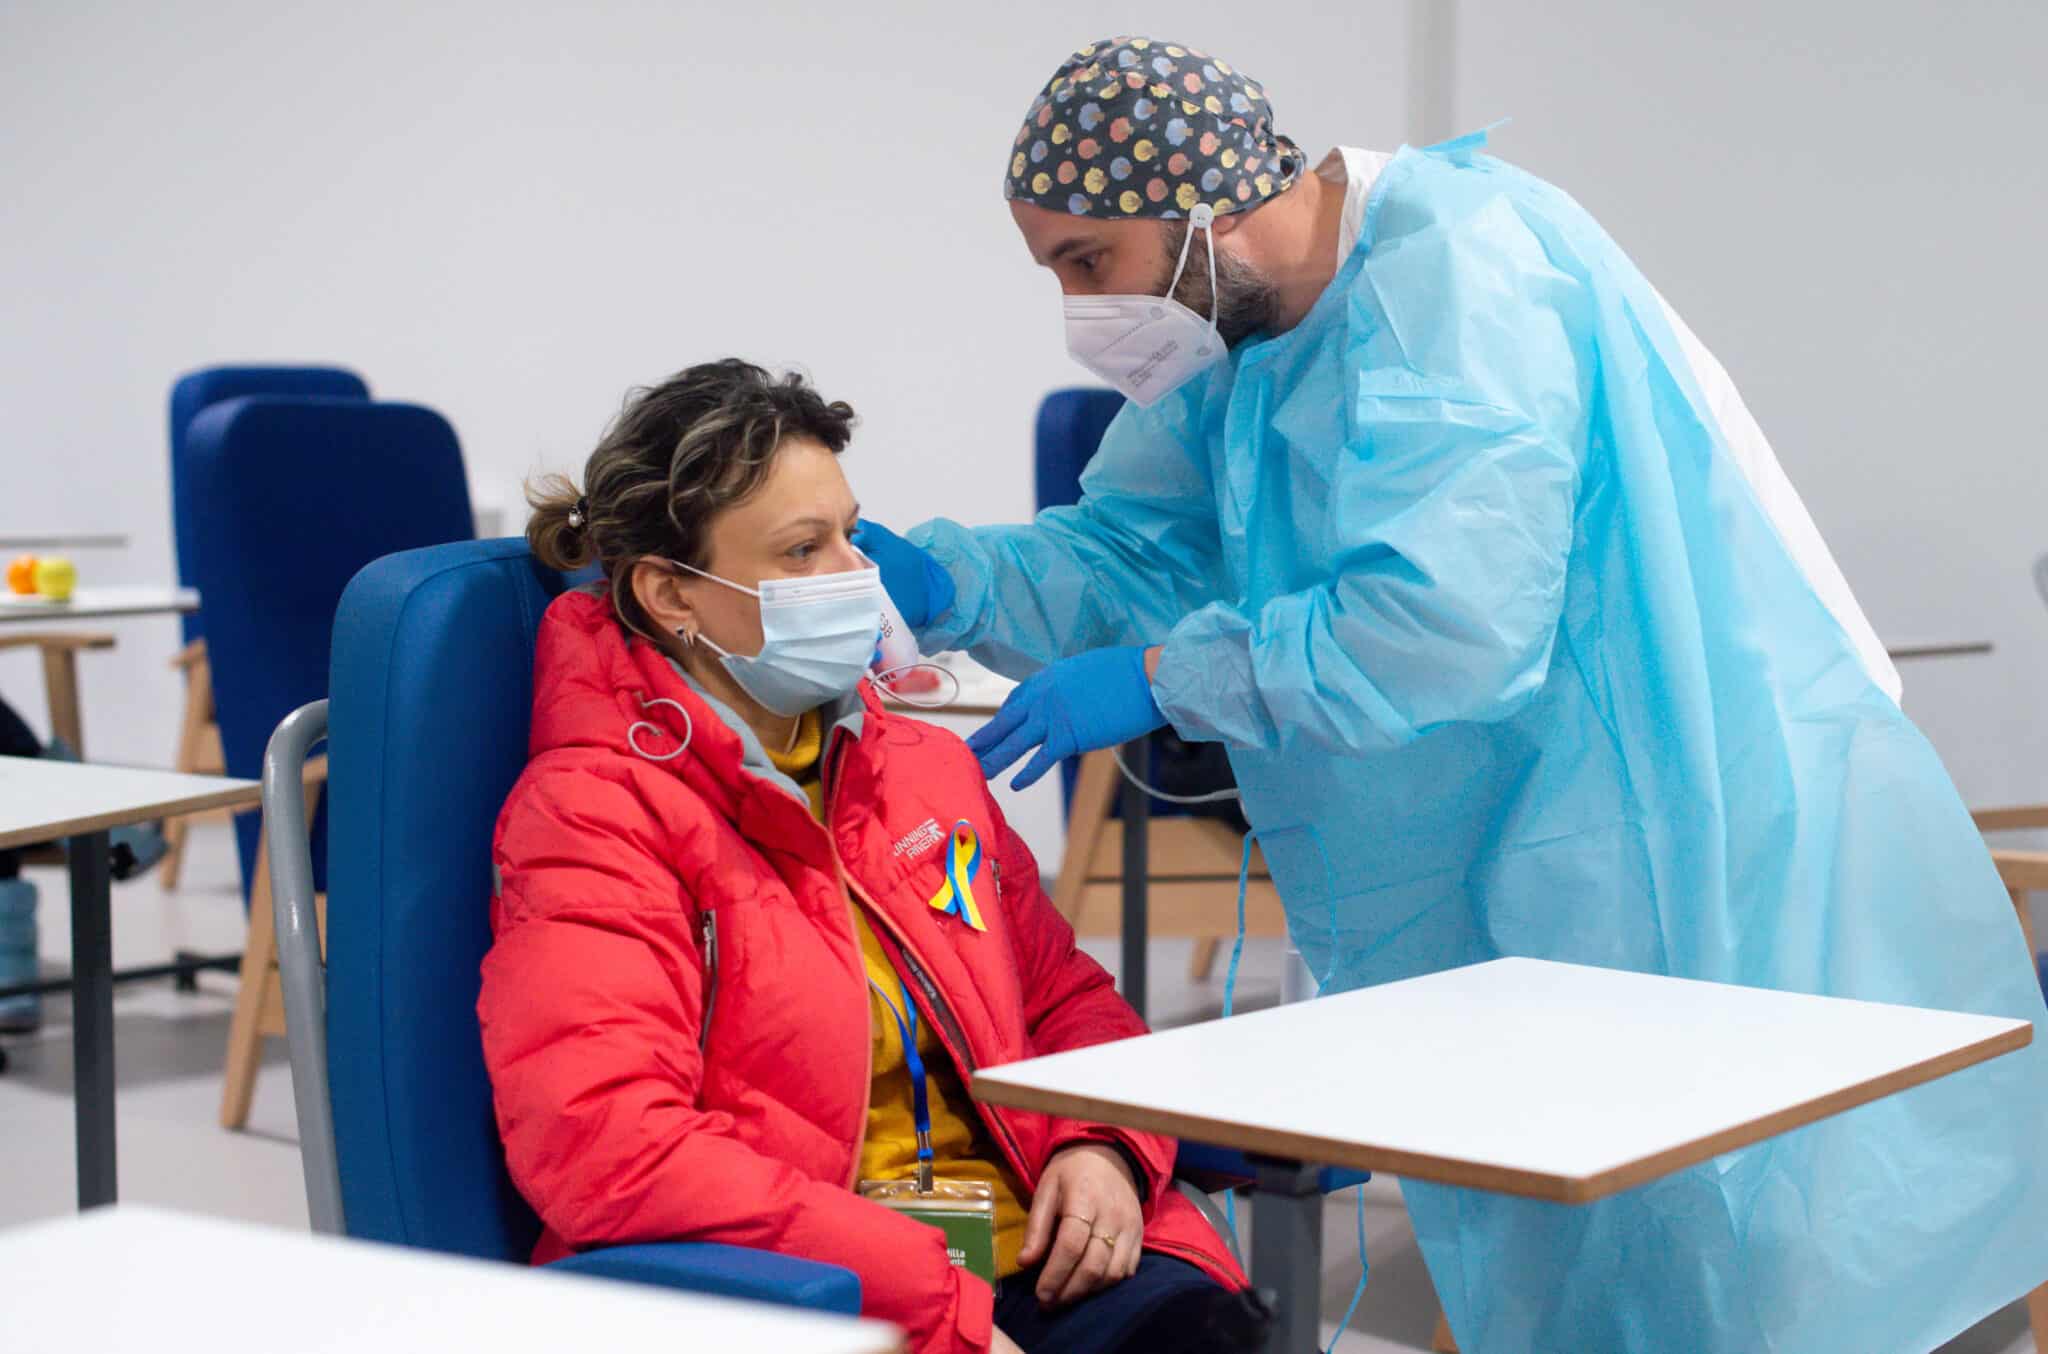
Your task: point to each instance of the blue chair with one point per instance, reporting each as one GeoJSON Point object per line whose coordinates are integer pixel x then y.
{"type": "Point", "coordinates": [192, 514]}
{"type": "Point", "coordinates": [432, 692]}
{"type": "Point", "coordinates": [198, 749]}
{"type": "Point", "coordinates": [432, 685]}
{"type": "Point", "coordinates": [301, 494]}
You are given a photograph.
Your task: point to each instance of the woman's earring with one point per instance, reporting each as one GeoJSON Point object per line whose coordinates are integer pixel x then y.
{"type": "Point", "coordinates": [683, 634]}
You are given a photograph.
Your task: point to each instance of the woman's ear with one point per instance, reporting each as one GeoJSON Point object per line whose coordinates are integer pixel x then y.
{"type": "Point", "coordinates": [662, 598]}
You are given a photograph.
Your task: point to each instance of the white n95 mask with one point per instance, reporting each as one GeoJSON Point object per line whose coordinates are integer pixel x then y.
{"type": "Point", "coordinates": [817, 637]}
{"type": "Point", "coordinates": [1149, 346]}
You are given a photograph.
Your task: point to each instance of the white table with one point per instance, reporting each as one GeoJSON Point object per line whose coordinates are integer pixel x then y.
{"type": "Point", "coordinates": [63, 540]}
{"type": "Point", "coordinates": [60, 662]}
{"type": "Point", "coordinates": [43, 801]}
{"type": "Point", "coordinates": [1553, 1081]}
{"type": "Point", "coordinates": [89, 604]}
{"type": "Point", "coordinates": [125, 1279]}
{"type": "Point", "coordinates": [981, 692]}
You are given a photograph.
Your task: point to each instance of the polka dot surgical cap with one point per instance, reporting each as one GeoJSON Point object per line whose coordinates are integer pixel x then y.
{"type": "Point", "coordinates": [1134, 127]}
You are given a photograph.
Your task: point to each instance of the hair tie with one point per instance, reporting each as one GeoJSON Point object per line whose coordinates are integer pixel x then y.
{"type": "Point", "coordinates": [579, 514]}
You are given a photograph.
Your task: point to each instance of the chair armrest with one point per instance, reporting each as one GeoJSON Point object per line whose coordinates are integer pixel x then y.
{"type": "Point", "coordinates": [288, 775]}
{"type": "Point", "coordinates": [57, 640]}
{"type": "Point", "coordinates": [2022, 871]}
{"type": "Point", "coordinates": [725, 1271]}
{"type": "Point", "coordinates": [2001, 820]}
{"type": "Point", "coordinates": [1210, 1168]}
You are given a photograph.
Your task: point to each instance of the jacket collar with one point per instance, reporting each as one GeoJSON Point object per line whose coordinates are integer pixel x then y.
{"type": "Point", "coordinates": [599, 687]}
{"type": "Point", "coordinates": [844, 715]}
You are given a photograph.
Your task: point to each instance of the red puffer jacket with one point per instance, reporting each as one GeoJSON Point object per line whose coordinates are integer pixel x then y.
{"type": "Point", "coordinates": [675, 1011]}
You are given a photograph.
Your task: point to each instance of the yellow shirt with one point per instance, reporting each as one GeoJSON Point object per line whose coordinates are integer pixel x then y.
{"type": "Point", "coordinates": [960, 1146]}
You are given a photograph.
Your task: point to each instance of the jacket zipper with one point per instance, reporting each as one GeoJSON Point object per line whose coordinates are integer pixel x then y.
{"type": "Point", "coordinates": [707, 931]}
{"type": "Point", "coordinates": [867, 1080]}
{"type": "Point", "coordinates": [950, 1032]}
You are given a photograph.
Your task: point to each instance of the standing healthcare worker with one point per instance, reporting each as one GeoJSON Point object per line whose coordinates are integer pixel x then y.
{"type": "Point", "coordinates": [1430, 510]}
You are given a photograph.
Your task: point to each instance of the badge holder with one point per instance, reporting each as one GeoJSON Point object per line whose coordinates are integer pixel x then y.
{"type": "Point", "coordinates": [964, 1211]}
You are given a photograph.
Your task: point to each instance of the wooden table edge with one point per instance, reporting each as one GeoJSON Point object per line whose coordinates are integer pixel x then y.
{"type": "Point", "coordinates": [1309, 1148]}
{"type": "Point", "coordinates": [111, 611]}
{"type": "Point", "coordinates": [244, 794]}
{"type": "Point", "coordinates": [1967, 648]}
{"type": "Point", "coordinates": [974, 709]}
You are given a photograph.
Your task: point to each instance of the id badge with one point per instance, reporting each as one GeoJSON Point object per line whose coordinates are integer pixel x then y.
{"type": "Point", "coordinates": [965, 1210]}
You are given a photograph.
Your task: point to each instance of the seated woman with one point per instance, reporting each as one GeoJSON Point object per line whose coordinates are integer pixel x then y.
{"type": "Point", "coordinates": [743, 912]}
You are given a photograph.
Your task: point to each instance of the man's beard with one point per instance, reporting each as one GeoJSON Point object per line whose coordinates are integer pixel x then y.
{"type": "Point", "coordinates": [1249, 301]}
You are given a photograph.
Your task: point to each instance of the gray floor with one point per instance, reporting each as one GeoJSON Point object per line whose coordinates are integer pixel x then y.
{"type": "Point", "coordinates": [173, 1153]}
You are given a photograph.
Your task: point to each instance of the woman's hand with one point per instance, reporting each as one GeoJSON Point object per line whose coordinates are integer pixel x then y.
{"type": "Point", "coordinates": [999, 1343]}
{"type": "Point", "coordinates": [1085, 1224]}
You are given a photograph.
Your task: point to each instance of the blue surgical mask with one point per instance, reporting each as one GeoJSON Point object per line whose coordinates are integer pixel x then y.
{"type": "Point", "coordinates": [818, 636]}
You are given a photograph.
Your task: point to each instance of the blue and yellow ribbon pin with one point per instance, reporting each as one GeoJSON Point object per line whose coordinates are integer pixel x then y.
{"type": "Point", "coordinates": [963, 863]}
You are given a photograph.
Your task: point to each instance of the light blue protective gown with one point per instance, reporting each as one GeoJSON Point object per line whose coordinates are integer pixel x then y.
{"type": "Point", "coordinates": [1510, 661]}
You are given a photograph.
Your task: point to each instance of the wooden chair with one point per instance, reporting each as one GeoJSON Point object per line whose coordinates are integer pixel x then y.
{"type": "Point", "coordinates": [1193, 879]}
{"type": "Point", "coordinates": [2023, 872]}
{"type": "Point", "coordinates": [199, 751]}
{"type": "Point", "coordinates": [259, 1005]}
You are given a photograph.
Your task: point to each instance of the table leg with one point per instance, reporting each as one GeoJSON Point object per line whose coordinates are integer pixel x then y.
{"type": "Point", "coordinates": [1137, 816]}
{"type": "Point", "coordinates": [1287, 1251]}
{"type": "Point", "coordinates": [60, 687]}
{"type": "Point", "coordinates": [92, 1019]}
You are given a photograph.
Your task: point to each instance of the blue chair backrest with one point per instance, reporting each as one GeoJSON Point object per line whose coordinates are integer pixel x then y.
{"type": "Point", "coordinates": [432, 700]}
{"type": "Point", "coordinates": [196, 390]}
{"type": "Point", "coordinates": [1070, 427]}
{"type": "Point", "coordinates": [1071, 423]}
{"type": "Point", "coordinates": [301, 494]}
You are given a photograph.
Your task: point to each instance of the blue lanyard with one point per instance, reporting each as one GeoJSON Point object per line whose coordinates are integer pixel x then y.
{"type": "Point", "coordinates": [920, 1106]}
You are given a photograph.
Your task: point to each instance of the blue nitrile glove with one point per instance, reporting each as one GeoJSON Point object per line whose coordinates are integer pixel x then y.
{"type": "Point", "coordinates": [1093, 700]}
{"type": "Point", "coordinates": [921, 589]}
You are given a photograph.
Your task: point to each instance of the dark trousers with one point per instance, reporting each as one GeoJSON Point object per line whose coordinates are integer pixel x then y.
{"type": "Point", "coordinates": [1110, 1322]}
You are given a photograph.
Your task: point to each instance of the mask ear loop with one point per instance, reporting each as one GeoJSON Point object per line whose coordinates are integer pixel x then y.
{"type": "Point", "coordinates": [754, 593]}
{"type": "Point", "coordinates": [633, 730]}
{"type": "Point", "coordinates": [888, 676]}
{"type": "Point", "coordinates": [1201, 217]}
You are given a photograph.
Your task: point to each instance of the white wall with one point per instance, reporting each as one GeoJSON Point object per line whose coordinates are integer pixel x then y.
{"type": "Point", "coordinates": [1845, 199]}
{"type": "Point", "coordinates": [513, 212]}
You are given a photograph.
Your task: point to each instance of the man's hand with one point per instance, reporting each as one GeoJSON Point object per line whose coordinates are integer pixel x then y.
{"type": "Point", "coordinates": [1093, 700]}
{"type": "Point", "coordinates": [1085, 1224]}
{"type": "Point", "coordinates": [915, 582]}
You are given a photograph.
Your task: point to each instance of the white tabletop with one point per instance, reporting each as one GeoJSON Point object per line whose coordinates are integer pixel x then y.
{"type": "Point", "coordinates": [125, 1279]}
{"type": "Point", "coordinates": [63, 540]}
{"type": "Point", "coordinates": [980, 692]}
{"type": "Point", "coordinates": [95, 603]}
{"type": "Point", "coordinates": [1549, 1080]}
{"type": "Point", "coordinates": [41, 800]}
